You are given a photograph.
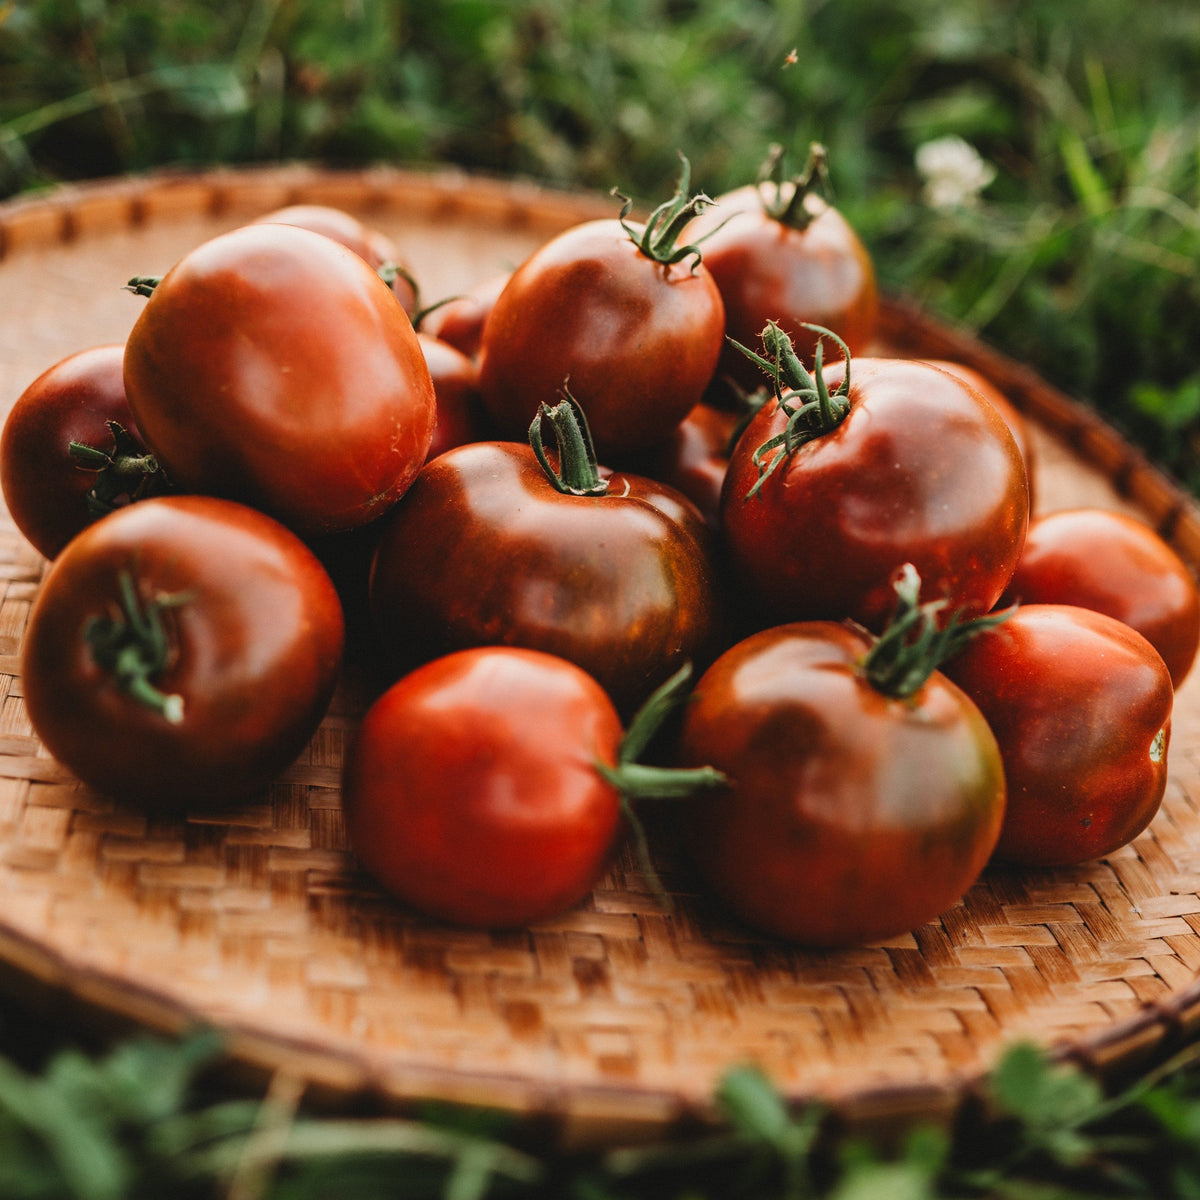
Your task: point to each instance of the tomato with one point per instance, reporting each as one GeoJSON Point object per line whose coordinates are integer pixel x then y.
{"type": "Point", "coordinates": [272, 366]}
{"type": "Point", "coordinates": [914, 467]}
{"type": "Point", "coordinates": [850, 814]}
{"type": "Point", "coordinates": [460, 319]}
{"type": "Point", "coordinates": [470, 787]}
{"type": "Point", "coordinates": [181, 651]}
{"type": "Point", "coordinates": [1115, 564]}
{"type": "Point", "coordinates": [485, 549]}
{"type": "Point", "coordinates": [605, 306]}
{"type": "Point", "coordinates": [376, 249]}
{"type": "Point", "coordinates": [778, 252]}
{"type": "Point", "coordinates": [1081, 707]}
{"type": "Point", "coordinates": [455, 380]}
{"type": "Point", "coordinates": [53, 492]}
{"type": "Point", "coordinates": [1003, 405]}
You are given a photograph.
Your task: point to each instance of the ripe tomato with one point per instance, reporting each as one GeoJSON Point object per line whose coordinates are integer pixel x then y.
{"type": "Point", "coordinates": [780, 253]}
{"type": "Point", "coordinates": [1117, 565]}
{"type": "Point", "coordinates": [455, 380]}
{"type": "Point", "coordinates": [471, 789]}
{"type": "Point", "coordinates": [1003, 405]}
{"type": "Point", "coordinates": [460, 320]}
{"type": "Point", "coordinates": [486, 550]}
{"type": "Point", "coordinates": [1081, 707]}
{"type": "Point", "coordinates": [53, 492]}
{"type": "Point", "coordinates": [916, 467]}
{"type": "Point", "coordinates": [272, 366]}
{"type": "Point", "coordinates": [607, 306]}
{"type": "Point", "coordinates": [376, 249]}
{"type": "Point", "coordinates": [181, 651]}
{"type": "Point", "coordinates": [850, 814]}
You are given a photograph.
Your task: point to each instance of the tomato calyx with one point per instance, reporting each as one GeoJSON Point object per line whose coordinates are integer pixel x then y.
{"type": "Point", "coordinates": [785, 203]}
{"type": "Point", "coordinates": [578, 471]}
{"type": "Point", "coordinates": [657, 238]}
{"type": "Point", "coordinates": [914, 643]}
{"type": "Point", "coordinates": [390, 271]}
{"type": "Point", "coordinates": [126, 470]}
{"type": "Point", "coordinates": [143, 285]}
{"type": "Point", "coordinates": [133, 647]}
{"type": "Point", "coordinates": [812, 410]}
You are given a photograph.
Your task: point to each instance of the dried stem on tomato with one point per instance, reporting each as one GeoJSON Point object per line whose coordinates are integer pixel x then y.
{"type": "Point", "coordinates": [915, 644]}
{"type": "Point", "coordinates": [133, 647]}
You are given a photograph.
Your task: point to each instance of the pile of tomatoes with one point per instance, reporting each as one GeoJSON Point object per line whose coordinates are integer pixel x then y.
{"type": "Point", "coordinates": [735, 563]}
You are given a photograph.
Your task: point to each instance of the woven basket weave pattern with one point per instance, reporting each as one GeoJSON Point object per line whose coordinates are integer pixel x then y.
{"type": "Point", "coordinates": [621, 1015]}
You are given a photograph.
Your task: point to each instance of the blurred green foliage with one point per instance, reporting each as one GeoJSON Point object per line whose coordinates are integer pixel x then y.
{"type": "Point", "coordinates": [1078, 255]}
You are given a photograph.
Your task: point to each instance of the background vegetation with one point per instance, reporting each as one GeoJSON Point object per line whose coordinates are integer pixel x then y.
{"type": "Point", "coordinates": [1061, 221]}
{"type": "Point", "coordinates": [1074, 248]}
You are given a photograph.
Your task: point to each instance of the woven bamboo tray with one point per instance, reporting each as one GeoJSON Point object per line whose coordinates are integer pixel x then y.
{"type": "Point", "coordinates": [616, 1020]}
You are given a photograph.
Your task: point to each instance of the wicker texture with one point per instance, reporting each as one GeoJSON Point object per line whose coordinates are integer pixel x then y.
{"type": "Point", "coordinates": [618, 1018]}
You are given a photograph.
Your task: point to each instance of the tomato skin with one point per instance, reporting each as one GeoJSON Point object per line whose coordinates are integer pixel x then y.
{"type": "Point", "coordinates": [1117, 565]}
{"type": "Point", "coordinates": [273, 367]}
{"type": "Point", "coordinates": [255, 652]}
{"type": "Point", "coordinates": [456, 386]}
{"type": "Point", "coordinates": [470, 788]}
{"type": "Point", "coordinates": [637, 340]}
{"type": "Point", "coordinates": [769, 271]}
{"type": "Point", "coordinates": [460, 320]}
{"type": "Point", "coordinates": [921, 470]}
{"type": "Point", "coordinates": [376, 249]}
{"type": "Point", "coordinates": [483, 550]}
{"type": "Point", "coordinates": [1081, 707]}
{"type": "Point", "coordinates": [850, 815]}
{"type": "Point", "coordinates": [45, 489]}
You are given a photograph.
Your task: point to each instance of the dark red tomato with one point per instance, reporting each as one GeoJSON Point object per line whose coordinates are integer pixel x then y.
{"type": "Point", "coordinates": [483, 550]}
{"type": "Point", "coordinates": [52, 493]}
{"type": "Point", "coordinates": [181, 652]}
{"type": "Point", "coordinates": [850, 815]}
{"type": "Point", "coordinates": [637, 339]}
{"type": "Point", "coordinates": [694, 458]}
{"type": "Point", "coordinates": [272, 366]}
{"type": "Point", "coordinates": [1081, 707]}
{"type": "Point", "coordinates": [1118, 565]}
{"type": "Point", "coordinates": [456, 386]}
{"type": "Point", "coordinates": [471, 790]}
{"type": "Point", "coordinates": [376, 249]}
{"type": "Point", "coordinates": [806, 267]}
{"type": "Point", "coordinates": [460, 320]}
{"type": "Point", "coordinates": [921, 469]}
{"type": "Point", "coordinates": [1004, 406]}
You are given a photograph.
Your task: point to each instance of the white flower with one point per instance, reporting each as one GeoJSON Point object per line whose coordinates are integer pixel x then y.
{"type": "Point", "coordinates": [953, 171]}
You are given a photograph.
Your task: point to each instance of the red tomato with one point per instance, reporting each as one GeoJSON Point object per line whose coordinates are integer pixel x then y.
{"type": "Point", "coordinates": [376, 249]}
{"type": "Point", "coordinates": [460, 320]}
{"type": "Point", "coordinates": [485, 550]}
{"type": "Point", "coordinates": [919, 469]}
{"type": "Point", "coordinates": [850, 815]}
{"type": "Point", "coordinates": [636, 337]}
{"type": "Point", "coordinates": [780, 253]}
{"type": "Point", "coordinates": [52, 493]}
{"type": "Point", "coordinates": [1117, 565]}
{"type": "Point", "coordinates": [1003, 405]}
{"type": "Point", "coordinates": [456, 386]}
{"type": "Point", "coordinates": [471, 789]}
{"type": "Point", "coordinates": [272, 366]}
{"type": "Point", "coordinates": [1081, 707]}
{"type": "Point", "coordinates": [181, 651]}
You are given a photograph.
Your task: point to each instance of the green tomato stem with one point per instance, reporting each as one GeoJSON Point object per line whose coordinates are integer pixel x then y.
{"type": "Point", "coordinates": [578, 472]}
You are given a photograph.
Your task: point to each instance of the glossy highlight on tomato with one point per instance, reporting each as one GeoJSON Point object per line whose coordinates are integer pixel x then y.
{"type": "Point", "coordinates": [471, 790]}
{"type": "Point", "coordinates": [272, 366]}
{"type": "Point", "coordinates": [181, 651]}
